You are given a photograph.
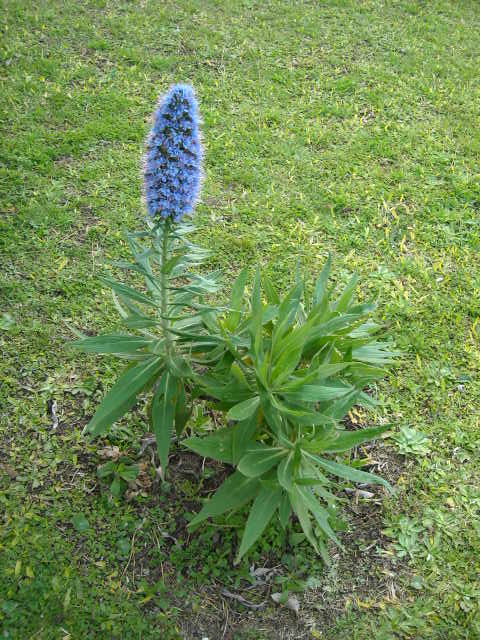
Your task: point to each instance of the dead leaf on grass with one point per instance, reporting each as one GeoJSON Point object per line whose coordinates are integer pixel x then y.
{"type": "Point", "coordinates": [291, 602]}
{"type": "Point", "coordinates": [10, 472]}
{"type": "Point", "coordinates": [109, 453]}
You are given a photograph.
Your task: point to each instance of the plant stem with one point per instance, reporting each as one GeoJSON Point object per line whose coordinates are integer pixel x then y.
{"type": "Point", "coordinates": [164, 287]}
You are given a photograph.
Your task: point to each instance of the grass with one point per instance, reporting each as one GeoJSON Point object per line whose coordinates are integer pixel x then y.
{"type": "Point", "coordinates": [349, 127]}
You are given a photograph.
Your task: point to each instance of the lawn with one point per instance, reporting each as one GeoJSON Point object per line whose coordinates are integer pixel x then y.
{"type": "Point", "coordinates": [342, 126]}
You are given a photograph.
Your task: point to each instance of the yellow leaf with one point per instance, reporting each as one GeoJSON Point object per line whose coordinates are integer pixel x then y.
{"type": "Point", "coordinates": [66, 600]}
{"type": "Point", "coordinates": [62, 264]}
{"type": "Point", "coordinates": [363, 605]}
{"type": "Point", "coordinates": [146, 599]}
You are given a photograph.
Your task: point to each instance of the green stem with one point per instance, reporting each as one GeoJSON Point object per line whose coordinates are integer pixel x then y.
{"type": "Point", "coordinates": [164, 287]}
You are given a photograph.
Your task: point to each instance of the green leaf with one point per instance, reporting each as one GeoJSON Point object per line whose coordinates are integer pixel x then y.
{"type": "Point", "coordinates": [284, 510]}
{"type": "Point", "coordinates": [287, 312]}
{"type": "Point", "coordinates": [369, 402]}
{"type": "Point", "coordinates": [128, 473]}
{"type": "Point", "coordinates": [236, 300]}
{"type": "Point", "coordinates": [270, 293]}
{"type": "Point", "coordinates": [238, 374]}
{"type": "Point", "coordinates": [307, 481]}
{"type": "Point", "coordinates": [285, 472]}
{"type": "Point", "coordinates": [7, 321]}
{"type": "Point", "coordinates": [244, 409]}
{"type": "Point", "coordinates": [122, 396]}
{"type": "Point", "coordinates": [236, 491]}
{"type": "Point", "coordinates": [111, 344]}
{"type": "Point", "coordinates": [163, 413]}
{"type": "Point", "coordinates": [259, 460]}
{"type": "Point", "coordinates": [80, 523]}
{"type": "Point", "coordinates": [314, 375]}
{"type": "Point", "coordinates": [301, 511]}
{"type": "Point", "coordinates": [172, 263]}
{"type": "Point", "coordinates": [106, 469]}
{"type": "Point", "coordinates": [365, 373]}
{"type": "Point", "coordinates": [320, 514]}
{"type": "Point", "coordinates": [182, 413]}
{"type": "Point", "coordinates": [316, 393]}
{"type": "Point", "coordinates": [116, 487]}
{"type": "Point", "coordinates": [270, 313]}
{"type": "Point", "coordinates": [124, 546]}
{"type": "Point", "coordinates": [230, 392]}
{"type": "Point", "coordinates": [261, 513]}
{"type": "Point", "coordinates": [179, 367]}
{"type": "Point", "coordinates": [127, 292]}
{"type": "Point", "coordinates": [345, 440]}
{"type": "Point", "coordinates": [347, 472]}
{"type": "Point", "coordinates": [128, 266]}
{"type": "Point", "coordinates": [303, 417]}
{"type": "Point", "coordinates": [270, 412]}
{"type": "Point", "coordinates": [321, 284]}
{"type": "Point", "coordinates": [287, 354]}
{"type": "Point", "coordinates": [343, 302]}
{"type": "Point", "coordinates": [255, 298]}
{"type": "Point", "coordinates": [343, 405]}
{"type": "Point", "coordinates": [139, 322]}
{"type": "Point", "coordinates": [243, 433]}
{"type": "Point", "coordinates": [217, 446]}
{"type": "Point", "coordinates": [376, 353]}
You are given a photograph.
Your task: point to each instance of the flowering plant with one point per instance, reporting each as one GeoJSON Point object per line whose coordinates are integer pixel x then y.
{"type": "Point", "coordinates": [283, 371]}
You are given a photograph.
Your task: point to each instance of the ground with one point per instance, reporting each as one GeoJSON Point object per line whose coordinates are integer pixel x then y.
{"type": "Point", "coordinates": [349, 127]}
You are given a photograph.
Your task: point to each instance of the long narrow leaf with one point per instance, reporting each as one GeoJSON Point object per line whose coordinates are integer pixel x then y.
{"type": "Point", "coordinates": [317, 393]}
{"type": "Point", "coordinates": [163, 414]}
{"type": "Point", "coordinates": [270, 293]}
{"type": "Point", "coordinates": [343, 302]}
{"type": "Point", "coordinates": [284, 510]}
{"type": "Point", "coordinates": [346, 440]}
{"type": "Point", "coordinates": [376, 353]}
{"type": "Point", "coordinates": [320, 514]}
{"type": "Point", "coordinates": [122, 395]}
{"type": "Point", "coordinates": [217, 445]}
{"type": "Point", "coordinates": [259, 460]}
{"type": "Point", "coordinates": [236, 491]}
{"type": "Point", "coordinates": [127, 292]}
{"type": "Point", "coordinates": [244, 410]}
{"type": "Point", "coordinates": [263, 508]}
{"type": "Point", "coordinates": [236, 300]}
{"type": "Point", "coordinates": [287, 312]}
{"type": "Point", "coordinates": [348, 473]}
{"type": "Point", "coordinates": [111, 344]}
{"type": "Point", "coordinates": [243, 433]}
{"type": "Point", "coordinates": [321, 283]}
{"type": "Point", "coordinates": [321, 372]}
{"type": "Point", "coordinates": [285, 472]}
{"type": "Point", "coordinates": [301, 511]}
{"type": "Point", "coordinates": [342, 406]}
{"type": "Point", "coordinates": [182, 413]}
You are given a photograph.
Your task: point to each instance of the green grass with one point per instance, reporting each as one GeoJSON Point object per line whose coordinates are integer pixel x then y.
{"type": "Point", "coordinates": [349, 127]}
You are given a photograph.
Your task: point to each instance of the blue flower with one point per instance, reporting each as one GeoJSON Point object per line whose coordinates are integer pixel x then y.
{"type": "Point", "coordinates": [173, 160]}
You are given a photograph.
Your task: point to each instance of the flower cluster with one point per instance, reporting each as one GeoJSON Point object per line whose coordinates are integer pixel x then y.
{"type": "Point", "coordinates": [174, 155]}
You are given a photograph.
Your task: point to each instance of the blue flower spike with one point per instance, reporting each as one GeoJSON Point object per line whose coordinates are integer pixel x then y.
{"type": "Point", "coordinates": [173, 159]}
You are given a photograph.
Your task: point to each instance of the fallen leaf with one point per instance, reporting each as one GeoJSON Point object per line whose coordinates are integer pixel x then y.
{"type": "Point", "coordinates": [10, 472]}
{"type": "Point", "coordinates": [291, 602]}
{"type": "Point", "coordinates": [239, 598]}
{"type": "Point", "coordinates": [112, 453]}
